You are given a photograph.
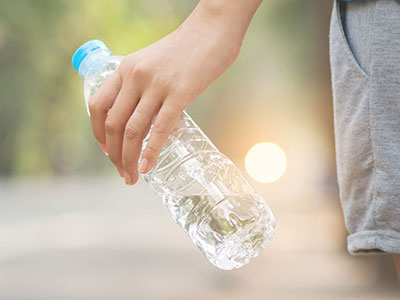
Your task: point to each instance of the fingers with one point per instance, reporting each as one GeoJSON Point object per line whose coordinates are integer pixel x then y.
{"type": "Point", "coordinates": [163, 126]}
{"type": "Point", "coordinates": [121, 115]}
{"type": "Point", "coordinates": [136, 130]}
{"type": "Point", "coordinates": [117, 119]}
{"type": "Point", "coordinates": [100, 103]}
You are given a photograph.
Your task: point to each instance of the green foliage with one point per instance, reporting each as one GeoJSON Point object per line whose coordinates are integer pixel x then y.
{"type": "Point", "coordinates": [44, 128]}
{"type": "Point", "coordinates": [43, 125]}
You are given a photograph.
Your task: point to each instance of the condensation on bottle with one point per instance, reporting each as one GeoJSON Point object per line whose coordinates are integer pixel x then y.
{"type": "Point", "coordinates": [203, 191]}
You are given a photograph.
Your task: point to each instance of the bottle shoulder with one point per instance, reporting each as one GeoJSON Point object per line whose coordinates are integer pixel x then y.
{"type": "Point", "coordinates": [98, 73]}
{"type": "Point", "coordinates": [104, 64]}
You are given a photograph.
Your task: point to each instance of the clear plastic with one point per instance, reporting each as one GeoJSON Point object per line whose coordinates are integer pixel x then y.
{"type": "Point", "coordinates": [201, 188]}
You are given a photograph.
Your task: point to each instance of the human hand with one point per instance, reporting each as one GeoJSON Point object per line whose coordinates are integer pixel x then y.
{"type": "Point", "coordinates": [159, 82]}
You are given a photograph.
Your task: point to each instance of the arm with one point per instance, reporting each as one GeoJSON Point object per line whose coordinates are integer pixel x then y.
{"type": "Point", "coordinates": [162, 79]}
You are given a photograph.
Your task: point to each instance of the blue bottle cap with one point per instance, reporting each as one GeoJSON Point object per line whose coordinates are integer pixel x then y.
{"type": "Point", "coordinates": [84, 50]}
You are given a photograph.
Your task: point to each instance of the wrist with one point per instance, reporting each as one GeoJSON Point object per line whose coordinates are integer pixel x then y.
{"type": "Point", "coordinates": [240, 8]}
{"type": "Point", "coordinates": [227, 19]}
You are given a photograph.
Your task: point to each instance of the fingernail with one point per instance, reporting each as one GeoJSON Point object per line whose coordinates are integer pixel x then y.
{"type": "Point", "coordinates": [128, 178]}
{"type": "Point", "coordinates": [104, 148]}
{"type": "Point", "coordinates": [144, 163]}
{"type": "Point", "coordinates": [121, 172]}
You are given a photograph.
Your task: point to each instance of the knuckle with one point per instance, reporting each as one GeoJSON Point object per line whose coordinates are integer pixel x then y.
{"type": "Point", "coordinates": [177, 102]}
{"type": "Point", "coordinates": [151, 150]}
{"type": "Point", "coordinates": [126, 63]}
{"type": "Point", "coordinates": [161, 83]}
{"type": "Point", "coordinates": [160, 127]}
{"type": "Point", "coordinates": [96, 107]}
{"type": "Point", "coordinates": [178, 89]}
{"type": "Point", "coordinates": [184, 91]}
{"type": "Point", "coordinates": [141, 116]}
{"type": "Point", "coordinates": [92, 105]}
{"type": "Point", "coordinates": [139, 71]}
{"type": "Point", "coordinates": [133, 69]}
{"type": "Point", "coordinates": [131, 132]}
{"type": "Point", "coordinates": [111, 127]}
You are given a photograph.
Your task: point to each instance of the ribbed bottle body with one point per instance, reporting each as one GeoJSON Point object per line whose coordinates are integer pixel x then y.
{"type": "Point", "coordinates": [202, 189]}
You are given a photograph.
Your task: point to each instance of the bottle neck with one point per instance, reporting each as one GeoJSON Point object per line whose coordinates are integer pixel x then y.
{"type": "Point", "coordinates": [91, 59]}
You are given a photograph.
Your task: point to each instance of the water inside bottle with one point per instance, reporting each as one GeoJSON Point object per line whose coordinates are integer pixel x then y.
{"type": "Point", "coordinates": [203, 190]}
{"type": "Point", "coordinates": [229, 232]}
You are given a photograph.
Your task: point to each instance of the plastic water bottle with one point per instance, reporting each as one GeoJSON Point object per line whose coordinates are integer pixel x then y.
{"type": "Point", "coordinates": [201, 188]}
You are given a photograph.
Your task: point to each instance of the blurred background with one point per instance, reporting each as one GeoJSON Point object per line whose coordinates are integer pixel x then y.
{"type": "Point", "coordinates": [71, 229]}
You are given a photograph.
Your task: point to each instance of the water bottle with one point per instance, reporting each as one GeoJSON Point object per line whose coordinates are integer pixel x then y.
{"type": "Point", "coordinates": [201, 188]}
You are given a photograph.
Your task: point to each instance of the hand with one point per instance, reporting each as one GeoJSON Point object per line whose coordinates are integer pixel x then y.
{"type": "Point", "coordinates": [159, 82]}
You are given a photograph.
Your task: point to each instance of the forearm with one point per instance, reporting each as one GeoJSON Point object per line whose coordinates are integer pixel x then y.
{"type": "Point", "coordinates": [161, 80]}
{"type": "Point", "coordinates": [224, 18]}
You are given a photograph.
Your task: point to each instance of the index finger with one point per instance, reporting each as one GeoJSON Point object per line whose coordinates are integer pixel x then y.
{"type": "Point", "coordinates": [101, 102]}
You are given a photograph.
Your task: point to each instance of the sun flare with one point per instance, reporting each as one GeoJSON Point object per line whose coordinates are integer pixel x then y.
{"type": "Point", "coordinates": [266, 162]}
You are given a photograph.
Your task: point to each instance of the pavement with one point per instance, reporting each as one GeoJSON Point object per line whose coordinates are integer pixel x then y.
{"type": "Point", "coordinates": [95, 238]}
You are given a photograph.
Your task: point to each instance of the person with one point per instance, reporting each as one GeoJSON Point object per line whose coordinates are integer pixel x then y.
{"type": "Point", "coordinates": [160, 81]}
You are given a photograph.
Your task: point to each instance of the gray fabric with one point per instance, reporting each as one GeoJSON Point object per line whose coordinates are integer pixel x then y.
{"type": "Point", "coordinates": [365, 65]}
{"type": "Point", "coordinates": [357, 19]}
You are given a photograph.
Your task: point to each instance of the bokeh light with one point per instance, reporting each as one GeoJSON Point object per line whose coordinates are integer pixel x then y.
{"type": "Point", "coordinates": [266, 162]}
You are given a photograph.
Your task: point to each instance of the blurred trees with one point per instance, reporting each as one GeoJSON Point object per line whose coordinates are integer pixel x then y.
{"type": "Point", "coordinates": [44, 128]}
{"type": "Point", "coordinates": [43, 123]}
